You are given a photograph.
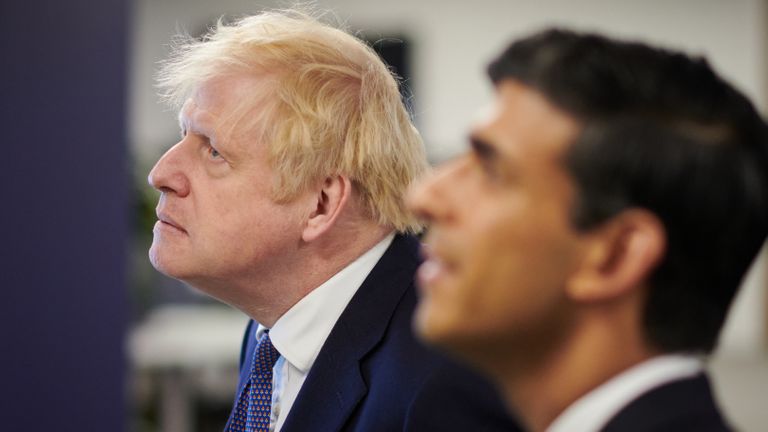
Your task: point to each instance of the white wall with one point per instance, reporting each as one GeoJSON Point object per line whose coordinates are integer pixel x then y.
{"type": "Point", "coordinates": [452, 42]}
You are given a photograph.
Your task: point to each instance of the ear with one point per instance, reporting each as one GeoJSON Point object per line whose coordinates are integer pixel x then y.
{"type": "Point", "coordinates": [619, 257]}
{"type": "Point", "coordinates": [330, 200]}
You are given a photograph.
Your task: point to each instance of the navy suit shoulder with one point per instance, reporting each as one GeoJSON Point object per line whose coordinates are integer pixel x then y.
{"type": "Point", "coordinates": [372, 374]}
{"type": "Point", "coordinates": [682, 405]}
{"type": "Point", "coordinates": [426, 390]}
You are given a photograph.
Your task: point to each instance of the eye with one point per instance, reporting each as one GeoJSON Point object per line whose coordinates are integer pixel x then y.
{"type": "Point", "coordinates": [486, 158]}
{"type": "Point", "coordinates": [213, 153]}
{"type": "Point", "coordinates": [487, 167]}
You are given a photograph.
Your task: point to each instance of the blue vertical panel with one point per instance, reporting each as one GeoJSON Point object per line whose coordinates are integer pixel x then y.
{"type": "Point", "coordinates": [63, 214]}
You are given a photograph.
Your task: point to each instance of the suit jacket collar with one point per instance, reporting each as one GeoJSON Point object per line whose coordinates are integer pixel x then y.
{"type": "Point", "coordinates": [685, 404]}
{"type": "Point", "coordinates": [335, 385]}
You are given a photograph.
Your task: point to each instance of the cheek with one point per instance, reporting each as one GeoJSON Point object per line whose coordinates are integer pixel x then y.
{"type": "Point", "coordinates": [515, 273]}
{"type": "Point", "coordinates": [252, 231]}
{"type": "Point", "coordinates": [249, 226]}
{"type": "Point", "coordinates": [235, 209]}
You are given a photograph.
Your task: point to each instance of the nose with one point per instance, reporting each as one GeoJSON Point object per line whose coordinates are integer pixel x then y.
{"type": "Point", "coordinates": [430, 198]}
{"type": "Point", "coordinates": [168, 175]}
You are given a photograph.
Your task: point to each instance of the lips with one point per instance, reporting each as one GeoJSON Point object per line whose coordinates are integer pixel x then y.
{"type": "Point", "coordinates": [166, 219]}
{"type": "Point", "coordinates": [432, 269]}
{"type": "Point", "coordinates": [429, 271]}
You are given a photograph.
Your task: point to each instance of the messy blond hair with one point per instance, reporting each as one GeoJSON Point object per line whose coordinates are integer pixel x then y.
{"type": "Point", "coordinates": [333, 107]}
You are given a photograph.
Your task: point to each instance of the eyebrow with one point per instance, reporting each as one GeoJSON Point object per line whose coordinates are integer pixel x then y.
{"type": "Point", "coordinates": [203, 132]}
{"type": "Point", "coordinates": [483, 149]}
{"type": "Point", "coordinates": [492, 160]}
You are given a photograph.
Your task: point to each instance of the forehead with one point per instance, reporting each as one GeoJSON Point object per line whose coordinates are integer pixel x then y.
{"type": "Point", "coordinates": [225, 106]}
{"type": "Point", "coordinates": [522, 122]}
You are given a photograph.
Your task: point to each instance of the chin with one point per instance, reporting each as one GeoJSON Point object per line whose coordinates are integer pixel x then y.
{"type": "Point", "coordinates": [446, 332]}
{"type": "Point", "coordinates": [154, 259]}
{"type": "Point", "coordinates": [432, 325]}
{"type": "Point", "coordinates": [165, 264]}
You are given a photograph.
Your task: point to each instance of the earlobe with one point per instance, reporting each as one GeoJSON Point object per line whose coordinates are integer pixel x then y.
{"type": "Point", "coordinates": [619, 257]}
{"type": "Point", "coordinates": [330, 200]}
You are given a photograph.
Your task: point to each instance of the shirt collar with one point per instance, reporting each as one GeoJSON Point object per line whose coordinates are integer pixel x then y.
{"type": "Point", "coordinates": [593, 411]}
{"type": "Point", "coordinates": [301, 332]}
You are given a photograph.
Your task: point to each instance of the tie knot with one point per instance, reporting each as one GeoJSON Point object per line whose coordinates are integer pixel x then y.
{"type": "Point", "coordinates": [265, 355]}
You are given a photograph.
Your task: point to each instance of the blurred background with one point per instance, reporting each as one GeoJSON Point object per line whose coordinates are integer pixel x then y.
{"type": "Point", "coordinates": [132, 350]}
{"type": "Point", "coordinates": [184, 356]}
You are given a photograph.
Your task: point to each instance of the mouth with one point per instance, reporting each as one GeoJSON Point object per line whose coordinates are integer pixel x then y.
{"type": "Point", "coordinates": [166, 221]}
{"type": "Point", "coordinates": [432, 269]}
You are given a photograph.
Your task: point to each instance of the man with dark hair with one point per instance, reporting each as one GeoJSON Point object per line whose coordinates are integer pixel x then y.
{"type": "Point", "coordinates": [586, 250]}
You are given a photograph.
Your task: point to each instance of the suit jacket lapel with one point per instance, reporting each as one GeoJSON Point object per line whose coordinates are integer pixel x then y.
{"type": "Point", "coordinates": [335, 385]}
{"type": "Point", "coordinates": [246, 353]}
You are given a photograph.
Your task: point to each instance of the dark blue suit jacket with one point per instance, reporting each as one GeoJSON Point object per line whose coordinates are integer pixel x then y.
{"type": "Point", "coordinates": [683, 405]}
{"type": "Point", "coordinates": [372, 375]}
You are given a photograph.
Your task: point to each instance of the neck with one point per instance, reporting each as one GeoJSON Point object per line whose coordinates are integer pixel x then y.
{"type": "Point", "coordinates": [598, 349]}
{"type": "Point", "coordinates": [273, 293]}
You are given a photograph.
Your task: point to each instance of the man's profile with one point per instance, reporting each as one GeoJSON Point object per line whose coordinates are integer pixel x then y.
{"type": "Point", "coordinates": [586, 249]}
{"type": "Point", "coordinates": [284, 199]}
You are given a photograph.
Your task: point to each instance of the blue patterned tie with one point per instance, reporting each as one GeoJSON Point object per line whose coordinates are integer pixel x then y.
{"type": "Point", "coordinates": [255, 401]}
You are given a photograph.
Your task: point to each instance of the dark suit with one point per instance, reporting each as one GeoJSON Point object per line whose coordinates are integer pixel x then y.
{"type": "Point", "coordinates": [683, 405]}
{"type": "Point", "coordinates": [371, 375]}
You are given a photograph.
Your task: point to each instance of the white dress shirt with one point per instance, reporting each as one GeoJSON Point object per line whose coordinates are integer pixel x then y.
{"type": "Point", "coordinates": [593, 411]}
{"type": "Point", "coordinates": [301, 332]}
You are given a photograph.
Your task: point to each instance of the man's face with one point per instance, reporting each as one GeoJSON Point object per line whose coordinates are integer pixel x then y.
{"type": "Point", "coordinates": [500, 246]}
{"type": "Point", "coordinates": [217, 222]}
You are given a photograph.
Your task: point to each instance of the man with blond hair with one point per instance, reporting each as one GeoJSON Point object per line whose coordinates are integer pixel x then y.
{"type": "Point", "coordinates": [283, 198]}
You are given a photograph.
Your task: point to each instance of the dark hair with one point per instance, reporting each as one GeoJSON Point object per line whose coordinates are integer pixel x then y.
{"type": "Point", "coordinates": [661, 131]}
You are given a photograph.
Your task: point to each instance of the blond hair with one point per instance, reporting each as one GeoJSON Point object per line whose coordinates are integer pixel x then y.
{"type": "Point", "coordinates": [334, 107]}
